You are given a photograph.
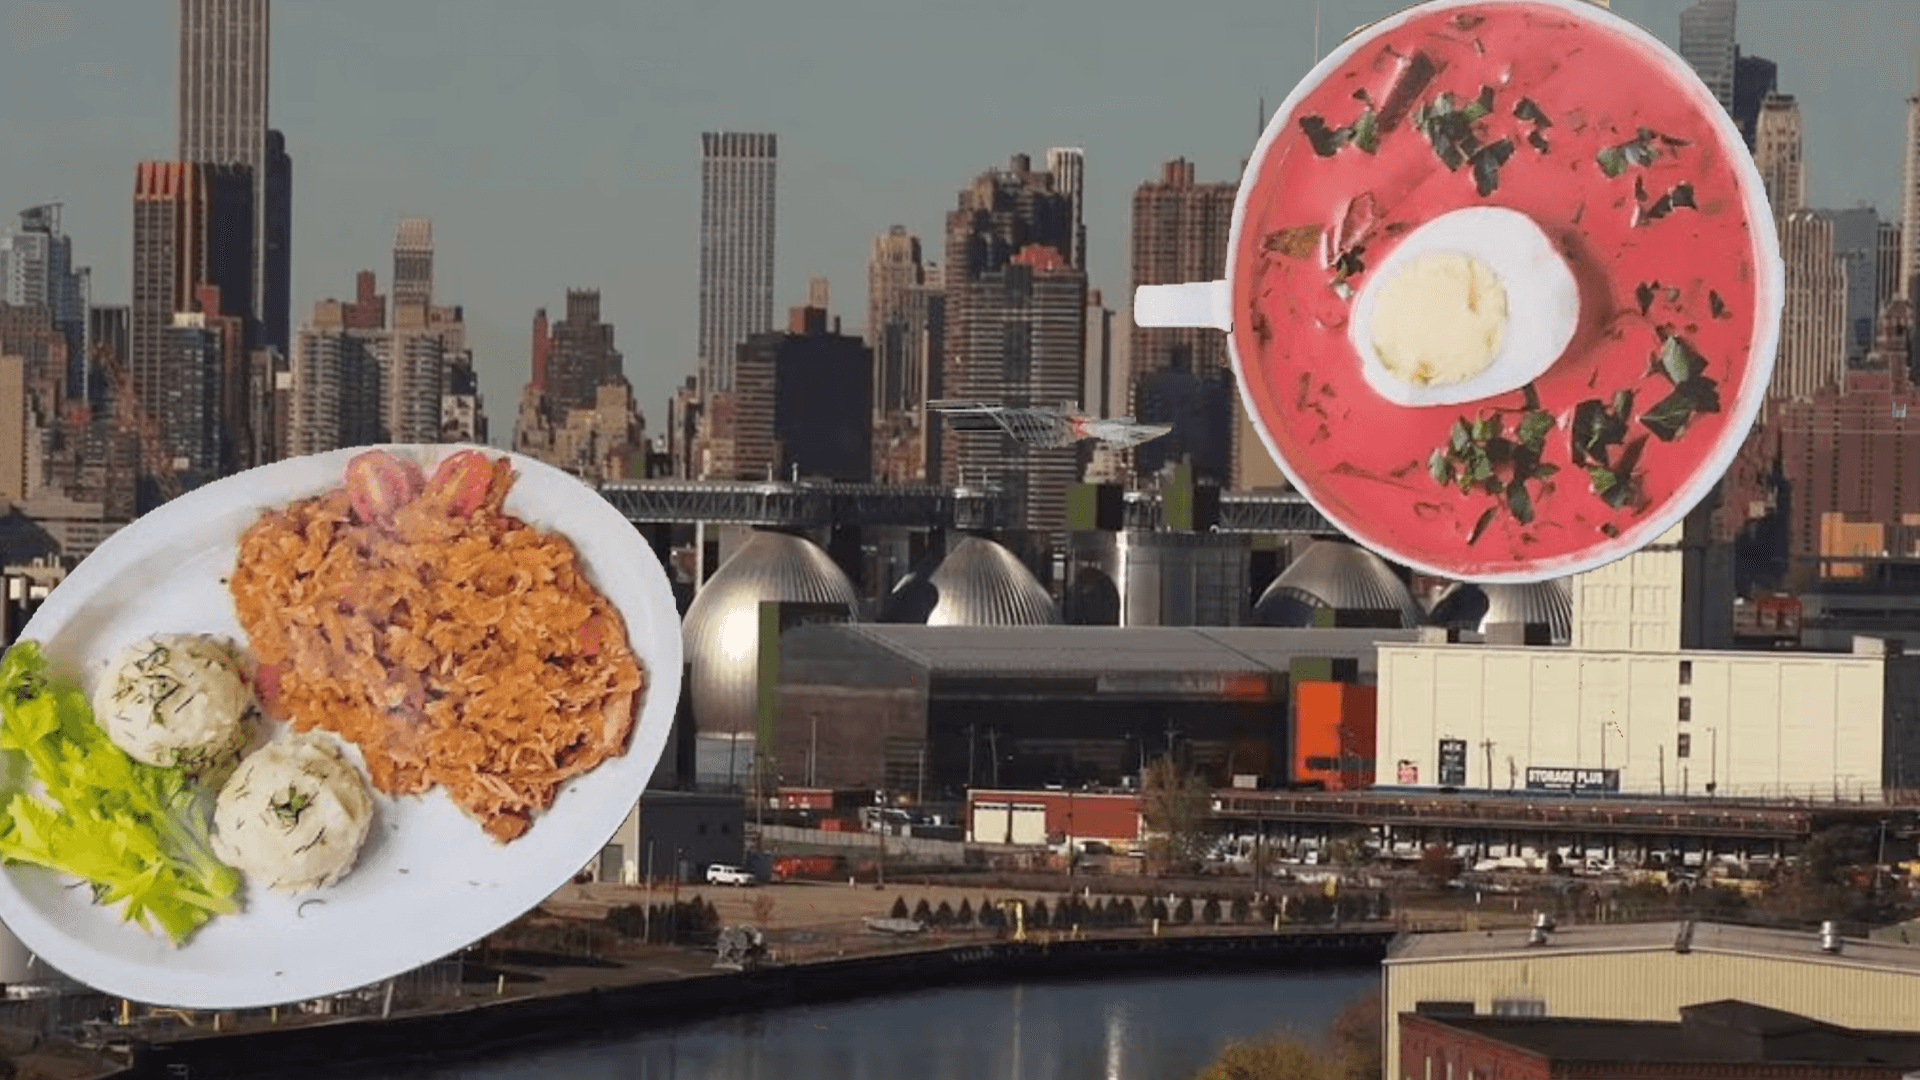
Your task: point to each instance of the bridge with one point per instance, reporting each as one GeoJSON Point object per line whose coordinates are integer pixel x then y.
{"type": "Point", "coordinates": [815, 505]}
{"type": "Point", "coordinates": [1553, 815]}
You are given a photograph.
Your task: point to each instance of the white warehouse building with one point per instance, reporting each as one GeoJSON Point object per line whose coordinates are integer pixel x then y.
{"type": "Point", "coordinates": [1636, 705]}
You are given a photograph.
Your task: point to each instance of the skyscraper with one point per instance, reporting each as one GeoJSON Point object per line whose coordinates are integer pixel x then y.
{"type": "Point", "coordinates": [902, 322]}
{"type": "Point", "coordinates": [736, 248]}
{"type": "Point", "coordinates": [1813, 325]}
{"type": "Point", "coordinates": [413, 262]}
{"type": "Point", "coordinates": [577, 411]}
{"type": "Point", "coordinates": [1891, 261]}
{"type": "Point", "coordinates": [193, 224]}
{"type": "Point", "coordinates": [1016, 322]}
{"type": "Point", "coordinates": [36, 270]}
{"type": "Point", "coordinates": [1180, 229]}
{"type": "Point", "coordinates": [1068, 164]}
{"type": "Point", "coordinates": [1856, 240]}
{"type": "Point", "coordinates": [1779, 152]}
{"type": "Point", "coordinates": [276, 284]}
{"type": "Point", "coordinates": [1755, 79]}
{"type": "Point", "coordinates": [1910, 213]}
{"type": "Point", "coordinates": [222, 99]}
{"type": "Point", "coordinates": [1707, 42]}
{"type": "Point", "coordinates": [802, 403]}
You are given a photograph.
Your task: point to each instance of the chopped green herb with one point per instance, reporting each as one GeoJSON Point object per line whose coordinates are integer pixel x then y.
{"type": "Point", "coordinates": [1451, 128]}
{"type": "Point", "coordinates": [1327, 140]}
{"type": "Point", "coordinates": [1677, 361]}
{"type": "Point", "coordinates": [1679, 197]}
{"type": "Point", "coordinates": [1598, 429]}
{"type": "Point", "coordinates": [1486, 166]}
{"type": "Point", "coordinates": [1643, 294]}
{"type": "Point", "coordinates": [1482, 457]}
{"type": "Point", "coordinates": [290, 806]}
{"type": "Point", "coordinates": [1620, 485]}
{"type": "Point", "coordinates": [1639, 150]}
{"type": "Point", "coordinates": [1530, 112]}
{"type": "Point", "coordinates": [1716, 305]}
{"type": "Point", "coordinates": [1693, 392]}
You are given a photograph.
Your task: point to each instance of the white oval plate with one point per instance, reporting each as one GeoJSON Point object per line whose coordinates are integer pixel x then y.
{"type": "Point", "coordinates": [429, 881]}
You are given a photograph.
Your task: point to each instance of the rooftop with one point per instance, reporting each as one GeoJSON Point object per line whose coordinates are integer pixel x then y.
{"type": "Point", "coordinates": [1104, 650]}
{"type": "Point", "coordinates": [1722, 938]}
{"type": "Point", "coordinates": [1719, 1031]}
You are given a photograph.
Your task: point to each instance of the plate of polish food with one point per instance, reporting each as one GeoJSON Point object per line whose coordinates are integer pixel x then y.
{"type": "Point", "coordinates": [312, 726]}
{"type": "Point", "coordinates": [1503, 290]}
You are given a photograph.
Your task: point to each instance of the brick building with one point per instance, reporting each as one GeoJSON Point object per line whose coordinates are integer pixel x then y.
{"type": "Point", "coordinates": [1720, 1040]}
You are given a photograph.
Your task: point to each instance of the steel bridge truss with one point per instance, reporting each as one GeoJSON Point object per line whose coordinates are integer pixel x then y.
{"type": "Point", "coordinates": [821, 505]}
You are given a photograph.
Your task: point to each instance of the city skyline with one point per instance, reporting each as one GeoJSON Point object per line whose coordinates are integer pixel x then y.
{"type": "Point", "coordinates": [514, 228]}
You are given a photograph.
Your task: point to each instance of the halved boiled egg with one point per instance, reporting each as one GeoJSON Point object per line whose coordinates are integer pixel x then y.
{"type": "Point", "coordinates": [1473, 304]}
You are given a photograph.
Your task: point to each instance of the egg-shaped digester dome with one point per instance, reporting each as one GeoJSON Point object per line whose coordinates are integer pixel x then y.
{"type": "Point", "coordinates": [1336, 575]}
{"type": "Point", "coordinates": [1466, 606]}
{"type": "Point", "coordinates": [721, 630]}
{"type": "Point", "coordinates": [979, 583]}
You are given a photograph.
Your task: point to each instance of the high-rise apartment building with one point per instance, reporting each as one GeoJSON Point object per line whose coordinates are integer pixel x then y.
{"type": "Point", "coordinates": [193, 225]}
{"type": "Point", "coordinates": [802, 403]}
{"type": "Point", "coordinates": [424, 345]}
{"type": "Point", "coordinates": [222, 96]}
{"type": "Point", "coordinates": [1813, 325]}
{"type": "Point", "coordinates": [1779, 152]}
{"type": "Point", "coordinates": [577, 411]}
{"type": "Point", "coordinates": [1016, 324]}
{"type": "Point", "coordinates": [338, 375]}
{"type": "Point", "coordinates": [737, 187]}
{"type": "Point", "coordinates": [195, 435]}
{"type": "Point", "coordinates": [575, 356]}
{"type": "Point", "coordinates": [1180, 230]}
{"type": "Point", "coordinates": [36, 270]}
{"type": "Point", "coordinates": [413, 262]}
{"type": "Point", "coordinates": [1707, 43]}
{"type": "Point", "coordinates": [1068, 165]}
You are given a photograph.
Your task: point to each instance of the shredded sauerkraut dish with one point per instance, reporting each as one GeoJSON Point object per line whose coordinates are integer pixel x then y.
{"type": "Point", "coordinates": [454, 644]}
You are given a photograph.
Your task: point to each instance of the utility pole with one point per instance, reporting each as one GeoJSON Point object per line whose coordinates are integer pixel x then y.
{"type": "Point", "coordinates": [1713, 765]}
{"type": "Point", "coordinates": [993, 747]}
{"type": "Point", "coordinates": [920, 777]}
{"type": "Point", "coordinates": [813, 752]}
{"type": "Point", "coordinates": [1486, 746]}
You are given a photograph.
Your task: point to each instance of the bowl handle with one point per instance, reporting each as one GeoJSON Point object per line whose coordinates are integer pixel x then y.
{"type": "Point", "coordinates": [1197, 303]}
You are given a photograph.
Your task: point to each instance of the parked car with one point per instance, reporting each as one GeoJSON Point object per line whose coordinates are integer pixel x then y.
{"type": "Point", "coordinates": [722, 874]}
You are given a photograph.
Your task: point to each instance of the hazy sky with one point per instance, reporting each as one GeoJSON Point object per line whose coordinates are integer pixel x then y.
{"type": "Point", "coordinates": [555, 144]}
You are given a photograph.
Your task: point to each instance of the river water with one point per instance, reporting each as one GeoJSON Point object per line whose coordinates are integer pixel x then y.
{"type": "Point", "coordinates": [1118, 1029]}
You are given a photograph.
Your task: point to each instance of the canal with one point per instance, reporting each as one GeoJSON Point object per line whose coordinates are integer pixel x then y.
{"type": "Point", "coordinates": [1118, 1029]}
